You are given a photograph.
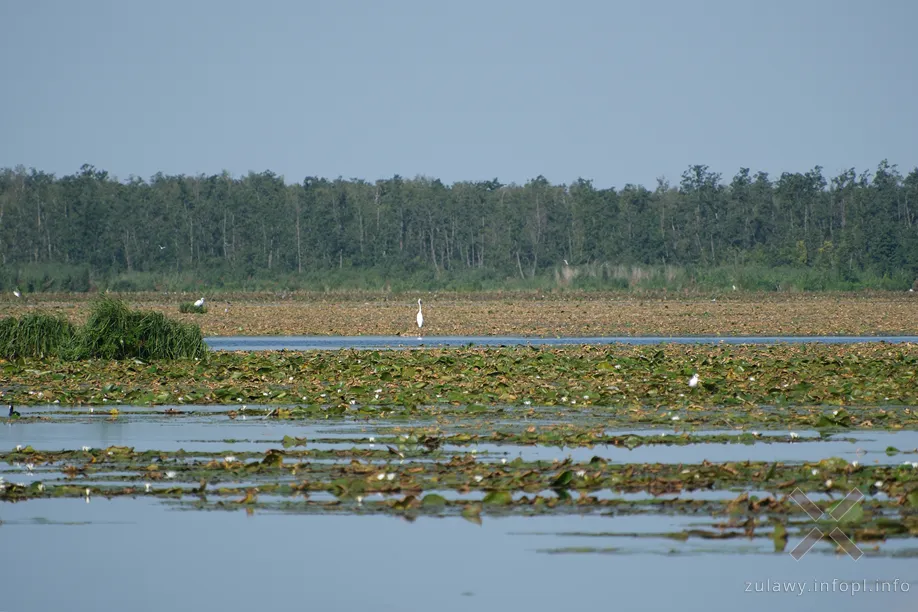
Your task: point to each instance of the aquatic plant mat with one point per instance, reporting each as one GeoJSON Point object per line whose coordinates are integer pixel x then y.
{"type": "Point", "coordinates": [477, 434]}
{"type": "Point", "coordinates": [517, 313]}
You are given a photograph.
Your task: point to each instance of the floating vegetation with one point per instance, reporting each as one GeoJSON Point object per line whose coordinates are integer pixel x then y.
{"type": "Point", "coordinates": [534, 313]}
{"type": "Point", "coordinates": [750, 499]}
{"type": "Point", "coordinates": [112, 331]}
{"type": "Point", "coordinates": [869, 385]}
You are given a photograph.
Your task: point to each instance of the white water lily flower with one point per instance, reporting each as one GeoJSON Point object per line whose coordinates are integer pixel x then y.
{"type": "Point", "coordinates": [564, 399]}
{"type": "Point", "coordinates": [503, 461]}
{"type": "Point", "coordinates": [378, 391]}
{"type": "Point", "coordinates": [854, 464]}
{"type": "Point", "coordinates": [686, 471]}
{"type": "Point", "coordinates": [29, 466]}
{"type": "Point", "coordinates": [878, 484]}
{"type": "Point", "coordinates": [170, 474]}
{"type": "Point", "coordinates": [229, 459]}
{"type": "Point", "coordinates": [752, 379]}
{"type": "Point", "coordinates": [814, 471]}
{"type": "Point", "coordinates": [19, 447]}
{"type": "Point", "coordinates": [693, 381]}
{"type": "Point", "coordinates": [41, 486]}
{"type": "Point", "coordinates": [390, 476]}
{"type": "Point", "coordinates": [380, 476]}
{"type": "Point", "coordinates": [755, 433]}
{"type": "Point", "coordinates": [359, 499]}
{"type": "Point", "coordinates": [676, 417]}
{"type": "Point", "coordinates": [835, 413]}
{"type": "Point", "coordinates": [663, 435]}
{"type": "Point", "coordinates": [618, 367]}
{"type": "Point", "coordinates": [478, 477]}
{"type": "Point", "coordinates": [372, 439]}
{"type": "Point", "coordinates": [581, 473]}
{"type": "Point", "coordinates": [829, 483]}
{"type": "Point", "coordinates": [147, 487]}
{"type": "Point", "coordinates": [86, 449]}
{"type": "Point", "coordinates": [794, 435]}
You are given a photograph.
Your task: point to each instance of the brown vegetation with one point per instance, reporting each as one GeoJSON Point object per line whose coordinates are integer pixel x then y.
{"type": "Point", "coordinates": [527, 314]}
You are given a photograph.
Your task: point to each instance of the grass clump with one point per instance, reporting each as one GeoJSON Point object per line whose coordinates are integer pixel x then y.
{"type": "Point", "coordinates": [189, 307]}
{"type": "Point", "coordinates": [113, 331]}
{"type": "Point", "coordinates": [36, 335]}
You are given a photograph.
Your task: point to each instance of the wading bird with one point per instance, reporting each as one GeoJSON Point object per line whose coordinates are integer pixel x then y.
{"type": "Point", "coordinates": [199, 303]}
{"type": "Point", "coordinates": [420, 318]}
{"type": "Point", "coordinates": [13, 413]}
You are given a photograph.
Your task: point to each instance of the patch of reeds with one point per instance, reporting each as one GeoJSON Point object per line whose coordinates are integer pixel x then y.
{"type": "Point", "coordinates": [186, 307]}
{"type": "Point", "coordinates": [36, 334]}
{"type": "Point", "coordinates": [113, 331]}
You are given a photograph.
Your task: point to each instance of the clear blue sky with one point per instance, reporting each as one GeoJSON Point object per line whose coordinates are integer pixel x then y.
{"type": "Point", "coordinates": [616, 92]}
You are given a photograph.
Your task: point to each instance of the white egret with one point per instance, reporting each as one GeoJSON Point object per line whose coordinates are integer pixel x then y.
{"type": "Point", "coordinates": [199, 303]}
{"type": "Point", "coordinates": [420, 319]}
{"type": "Point", "coordinates": [693, 381]}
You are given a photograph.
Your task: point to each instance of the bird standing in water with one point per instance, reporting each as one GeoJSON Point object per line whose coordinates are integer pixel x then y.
{"type": "Point", "coordinates": [13, 413]}
{"type": "Point", "coordinates": [420, 318]}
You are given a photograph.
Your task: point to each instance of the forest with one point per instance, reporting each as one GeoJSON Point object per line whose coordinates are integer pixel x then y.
{"type": "Point", "coordinates": [806, 231]}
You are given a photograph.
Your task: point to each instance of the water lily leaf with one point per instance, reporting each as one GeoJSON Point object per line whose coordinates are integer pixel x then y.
{"type": "Point", "coordinates": [432, 499]}
{"type": "Point", "coordinates": [502, 498]}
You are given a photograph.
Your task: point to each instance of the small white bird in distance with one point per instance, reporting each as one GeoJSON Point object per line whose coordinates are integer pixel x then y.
{"type": "Point", "coordinates": [161, 247]}
{"type": "Point", "coordinates": [734, 287]}
{"type": "Point", "coordinates": [693, 381]}
{"type": "Point", "coordinates": [16, 293]}
{"type": "Point", "coordinates": [420, 319]}
{"type": "Point", "coordinates": [199, 303]}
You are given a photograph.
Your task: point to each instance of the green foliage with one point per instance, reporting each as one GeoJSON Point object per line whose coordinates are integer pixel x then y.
{"type": "Point", "coordinates": [258, 233]}
{"type": "Point", "coordinates": [115, 332]}
{"type": "Point", "coordinates": [111, 332]}
{"type": "Point", "coordinates": [189, 307]}
{"type": "Point", "coordinates": [36, 335]}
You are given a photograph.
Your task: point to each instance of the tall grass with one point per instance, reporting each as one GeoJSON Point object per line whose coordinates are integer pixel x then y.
{"type": "Point", "coordinates": [113, 331]}
{"type": "Point", "coordinates": [36, 335]}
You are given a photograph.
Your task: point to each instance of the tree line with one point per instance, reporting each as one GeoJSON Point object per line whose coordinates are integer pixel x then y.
{"type": "Point", "coordinates": [90, 225]}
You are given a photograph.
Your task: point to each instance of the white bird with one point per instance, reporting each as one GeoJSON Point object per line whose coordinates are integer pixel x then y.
{"type": "Point", "coordinates": [199, 303]}
{"type": "Point", "coordinates": [16, 293]}
{"type": "Point", "coordinates": [420, 319]}
{"type": "Point", "coordinates": [161, 247]}
{"type": "Point", "coordinates": [693, 381]}
{"type": "Point", "coordinates": [734, 287]}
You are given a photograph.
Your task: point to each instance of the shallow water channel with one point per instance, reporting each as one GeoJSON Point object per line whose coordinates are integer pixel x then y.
{"type": "Point", "coordinates": [154, 511]}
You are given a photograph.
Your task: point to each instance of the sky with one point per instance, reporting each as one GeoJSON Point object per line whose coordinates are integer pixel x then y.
{"type": "Point", "coordinates": [614, 92]}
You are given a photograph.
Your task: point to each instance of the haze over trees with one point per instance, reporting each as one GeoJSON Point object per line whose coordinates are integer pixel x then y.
{"type": "Point", "coordinates": [88, 230]}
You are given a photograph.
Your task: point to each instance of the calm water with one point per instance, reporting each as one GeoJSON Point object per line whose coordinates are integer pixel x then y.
{"type": "Point", "coordinates": [309, 343]}
{"type": "Point", "coordinates": [156, 554]}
